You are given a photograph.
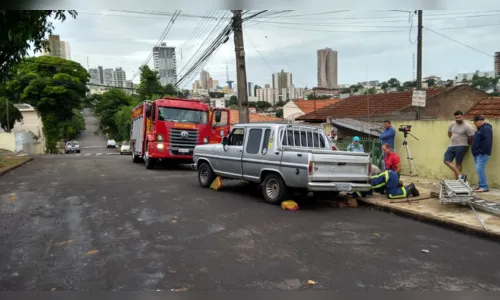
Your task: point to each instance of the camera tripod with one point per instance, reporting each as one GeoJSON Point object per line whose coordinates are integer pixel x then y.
{"type": "Point", "coordinates": [406, 146]}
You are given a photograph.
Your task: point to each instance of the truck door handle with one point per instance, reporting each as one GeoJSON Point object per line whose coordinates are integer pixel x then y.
{"type": "Point", "coordinates": [240, 150]}
{"type": "Point", "coordinates": [299, 154]}
{"type": "Point", "coordinates": [342, 164]}
{"type": "Point", "coordinates": [277, 153]}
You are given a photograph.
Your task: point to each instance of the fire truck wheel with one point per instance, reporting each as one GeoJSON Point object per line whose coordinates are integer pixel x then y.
{"type": "Point", "coordinates": [148, 161]}
{"type": "Point", "coordinates": [205, 175]}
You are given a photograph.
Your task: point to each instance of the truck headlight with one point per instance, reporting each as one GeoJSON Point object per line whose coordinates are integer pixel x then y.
{"type": "Point", "coordinates": [160, 138]}
{"type": "Point", "coordinates": [205, 140]}
{"type": "Point", "coordinates": [160, 146]}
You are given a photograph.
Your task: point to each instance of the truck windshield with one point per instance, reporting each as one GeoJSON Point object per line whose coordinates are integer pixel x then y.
{"type": "Point", "coordinates": [182, 115]}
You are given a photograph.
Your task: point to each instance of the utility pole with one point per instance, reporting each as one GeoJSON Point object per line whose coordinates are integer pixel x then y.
{"type": "Point", "coordinates": [241, 73]}
{"type": "Point", "coordinates": [419, 59]}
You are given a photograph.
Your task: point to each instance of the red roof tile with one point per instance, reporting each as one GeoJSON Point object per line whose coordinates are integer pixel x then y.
{"type": "Point", "coordinates": [235, 118]}
{"type": "Point", "coordinates": [488, 108]}
{"type": "Point", "coordinates": [308, 106]}
{"type": "Point", "coordinates": [364, 105]}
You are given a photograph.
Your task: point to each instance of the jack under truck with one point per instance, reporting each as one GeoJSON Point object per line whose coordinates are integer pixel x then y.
{"type": "Point", "coordinates": [168, 129]}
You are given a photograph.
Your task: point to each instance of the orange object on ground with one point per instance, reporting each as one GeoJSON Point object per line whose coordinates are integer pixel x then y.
{"type": "Point", "coordinates": [216, 184]}
{"type": "Point", "coordinates": [289, 205]}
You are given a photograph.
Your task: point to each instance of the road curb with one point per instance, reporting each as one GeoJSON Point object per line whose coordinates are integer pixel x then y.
{"type": "Point", "coordinates": [16, 166]}
{"type": "Point", "coordinates": [435, 221]}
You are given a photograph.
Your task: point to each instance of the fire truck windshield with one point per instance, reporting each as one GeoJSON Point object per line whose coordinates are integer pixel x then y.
{"type": "Point", "coordinates": [182, 115]}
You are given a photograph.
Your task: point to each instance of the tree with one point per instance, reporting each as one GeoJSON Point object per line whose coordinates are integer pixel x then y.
{"type": "Point", "coordinates": [123, 120]}
{"type": "Point", "coordinates": [149, 84]}
{"type": "Point", "coordinates": [431, 82]}
{"type": "Point", "coordinates": [22, 30]}
{"type": "Point", "coordinates": [55, 87]}
{"type": "Point", "coordinates": [107, 108]}
{"type": "Point", "coordinates": [70, 129]}
{"type": "Point", "coordinates": [449, 83]}
{"type": "Point", "coordinates": [394, 83]}
{"type": "Point", "coordinates": [279, 113]}
{"type": "Point", "coordinates": [171, 91]}
{"type": "Point", "coordinates": [233, 100]}
{"type": "Point", "coordinates": [409, 84]}
{"type": "Point", "coordinates": [263, 105]}
{"type": "Point", "coordinates": [280, 103]}
{"type": "Point", "coordinates": [371, 91]}
{"type": "Point", "coordinates": [14, 115]}
{"type": "Point", "coordinates": [384, 86]}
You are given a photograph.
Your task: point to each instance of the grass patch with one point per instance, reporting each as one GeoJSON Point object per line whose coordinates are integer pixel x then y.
{"type": "Point", "coordinates": [9, 161]}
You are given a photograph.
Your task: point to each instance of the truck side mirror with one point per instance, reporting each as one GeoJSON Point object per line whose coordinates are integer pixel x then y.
{"type": "Point", "coordinates": [218, 116]}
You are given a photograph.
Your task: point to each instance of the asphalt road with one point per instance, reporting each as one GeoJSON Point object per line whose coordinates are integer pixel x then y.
{"type": "Point", "coordinates": [103, 223]}
{"type": "Point", "coordinates": [90, 143]}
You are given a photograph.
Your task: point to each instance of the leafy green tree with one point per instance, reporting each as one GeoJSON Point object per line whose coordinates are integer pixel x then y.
{"type": "Point", "coordinates": [313, 96]}
{"type": "Point", "coordinates": [123, 120]}
{"type": "Point", "coordinates": [431, 82]}
{"type": "Point", "coordinates": [409, 84]}
{"type": "Point", "coordinates": [70, 129]}
{"type": "Point", "coordinates": [371, 91]}
{"type": "Point", "coordinates": [55, 87]}
{"type": "Point", "coordinates": [263, 104]}
{"type": "Point", "coordinates": [279, 113]}
{"type": "Point", "coordinates": [111, 102]}
{"type": "Point", "coordinates": [171, 91]}
{"type": "Point", "coordinates": [233, 100]}
{"type": "Point", "coordinates": [14, 115]}
{"type": "Point", "coordinates": [22, 30]}
{"type": "Point", "coordinates": [394, 83]}
{"type": "Point", "coordinates": [280, 103]}
{"type": "Point", "coordinates": [149, 84]}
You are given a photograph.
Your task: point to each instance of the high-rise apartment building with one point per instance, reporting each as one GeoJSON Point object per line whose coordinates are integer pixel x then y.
{"type": "Point", "coordinates": [101, 74]}
{"type": "Point", "coordinates": [497, 63]}
{"type": "Point", "coordinates": [58, 48]}
{"type": "Point", "coordinates": [250, 89]}
{"type": "Point", "coordinates": [282, 80]}
{"type": "Point", "coordinates": [204, 80]}
{"type": "Point", "coordinates": [327, 69]}
{"type": "Point", "coordinates": [165, 63]}
{"type": "Point", "coordinates": [108, 77]}
{"type": "Point", "coordinates": [95, 77]}
{"type": "Point", "coordinates": [119, 77]}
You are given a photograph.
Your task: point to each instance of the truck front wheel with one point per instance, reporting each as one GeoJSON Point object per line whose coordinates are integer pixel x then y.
{"type": "Point", "coordinates": [273, 189]}
{"type": "Point", "coordinates": [148, 161]}
{"type": "Point", "coordinates": [205, 175]}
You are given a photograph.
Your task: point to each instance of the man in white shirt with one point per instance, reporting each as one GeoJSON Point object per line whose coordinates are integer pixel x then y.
{"type": "Point", "coordinates": [461, 134]}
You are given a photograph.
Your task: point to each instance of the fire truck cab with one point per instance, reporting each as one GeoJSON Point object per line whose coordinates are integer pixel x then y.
{"type": "Point", "coordinates": [168, 129]}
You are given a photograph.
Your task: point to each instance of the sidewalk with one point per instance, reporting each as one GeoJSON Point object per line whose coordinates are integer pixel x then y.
{"type": "Point", "coordinates": [458, 217]}
{"type": "Point", "coordinates": [10, 161]}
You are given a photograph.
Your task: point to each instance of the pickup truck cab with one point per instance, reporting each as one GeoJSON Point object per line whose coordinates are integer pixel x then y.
{"type": "Point", "coordinates": [282, 158]}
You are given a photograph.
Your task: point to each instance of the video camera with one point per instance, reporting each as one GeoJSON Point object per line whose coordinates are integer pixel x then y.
{"type": "Point", "coordinates": [405, 128]}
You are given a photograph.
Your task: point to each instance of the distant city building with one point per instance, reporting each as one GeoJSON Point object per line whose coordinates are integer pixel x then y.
{"type": "Point", "coordinates": [282, 80]}
{"type": "Point", "coordinates": [101, 74]}
{"type": "Point", "coordinates": [108, 77]}
{"type": "Point", "coordinates": [128, 84]}
{"type": "Point", "coordinates": [250, 89]}
{"type": "Point", "coordinates": [497, 63]}
{"type": "Point", "coordinates": [327, 68]}
{"type": "Point", "coordinates": [266, 94]}
{"type": "Point", "coordinates": [204, 76]}
{"type": "Point", "coordinates": [95, 77]}
{"type": "Point", "coordinates": [58, 48]}
{"type": "Point", "coordinates": [273, 96]}
{"type": "Point", "coordinates": [165, 64]}
{"type": "Point", "coordinates": [119, 77]}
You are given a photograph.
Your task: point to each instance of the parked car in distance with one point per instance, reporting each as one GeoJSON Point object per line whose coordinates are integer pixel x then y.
{"type": "Point", "coordinates": [111, 144]}
{"type": "Point", "coordinates": [125, 148]}
{"type": "Point", "coordinates": [72, 146]}
{"type": "Point", "coordinates": [283, 158]}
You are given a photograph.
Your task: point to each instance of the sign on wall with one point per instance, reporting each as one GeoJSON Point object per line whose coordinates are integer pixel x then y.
{"type": "Point", "coordinates": [419, 98]}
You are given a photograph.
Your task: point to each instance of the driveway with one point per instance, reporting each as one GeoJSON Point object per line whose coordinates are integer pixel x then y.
{"type": "Point", "coordinates": [104, 223]}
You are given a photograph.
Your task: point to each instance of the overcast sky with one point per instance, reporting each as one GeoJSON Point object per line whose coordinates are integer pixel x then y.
{"type": "Point", "coordinates": [371, 45]}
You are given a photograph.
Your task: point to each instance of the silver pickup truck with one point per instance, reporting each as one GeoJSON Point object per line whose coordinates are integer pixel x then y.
{"type": "Point", "coordinates": [283, 158]}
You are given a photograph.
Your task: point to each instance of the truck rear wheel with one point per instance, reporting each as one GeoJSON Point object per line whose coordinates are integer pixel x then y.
{"type": "Point", "coordinates": [274, 189]}
{"type": "Point", "coordinates": [205, 175]}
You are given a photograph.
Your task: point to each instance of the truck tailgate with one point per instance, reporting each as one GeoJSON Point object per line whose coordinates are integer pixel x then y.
{"type": "Point", "coordinates": [340, 166]}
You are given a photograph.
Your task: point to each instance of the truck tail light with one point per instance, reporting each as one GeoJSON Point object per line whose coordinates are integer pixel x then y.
{"type": "Point", "coordinates": [310, 167]}
{"type": "Point", "coordinates": [369, 169]}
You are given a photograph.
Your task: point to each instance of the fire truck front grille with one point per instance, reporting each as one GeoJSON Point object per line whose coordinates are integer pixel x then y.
{"type": "Point", "coordinates": [183, 141]}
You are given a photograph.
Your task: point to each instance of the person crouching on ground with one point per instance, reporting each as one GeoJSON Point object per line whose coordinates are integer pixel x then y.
{"type": "Point", "coordinates": [460, 134]}
{"type": "Point", "coordinates": [355, 146]}
{"type": "Point", "coordinates": [387, 182]}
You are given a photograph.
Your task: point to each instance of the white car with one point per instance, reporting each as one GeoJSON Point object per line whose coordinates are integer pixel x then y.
{"type": "Point", "coordinates": [125, 148]}
{"type": "Point", "coordinates": [72, 146]}
{"type": "Point", "coordinates": [111, 144]}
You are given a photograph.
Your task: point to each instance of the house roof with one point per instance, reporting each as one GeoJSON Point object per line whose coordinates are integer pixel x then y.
{"type": "Point", "coordinates": [365, 105]}
{"type": "Point", "coordinates": [254, 118]}
{"type": "Point", "coordinates": [307, 106]}
{"type": "Point", "coordinates": [370, 128]}
{"type": "Point", "coordinates": [488, 107]}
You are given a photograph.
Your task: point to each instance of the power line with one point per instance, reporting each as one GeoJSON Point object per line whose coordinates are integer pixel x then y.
{"type": "Point", "coordinates": [159, 13]}
{"type": "Point", "coordinates": [276, 49]}
{"type": "Point", "coordinates": [256, 49]}
{"type": "Point", "coordinates": [195, 31]}
{"type": "Point", "coordinates": [162, 37]}
{"type": "Point", "coordinates": [454, 40]}
{"type": "Point", "coordinates": [463, 14]}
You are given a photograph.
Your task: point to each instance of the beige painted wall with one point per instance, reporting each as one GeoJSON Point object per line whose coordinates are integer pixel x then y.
{"type": "Point", "coordinates": [433, 141]}
{"type": "Point", "coordinates": [8, 141]}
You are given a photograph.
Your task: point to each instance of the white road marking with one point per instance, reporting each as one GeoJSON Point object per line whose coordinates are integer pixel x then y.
{"type": "Point", "coordinates": [87, 154]}
{"type": "Point", "coordinates": [98, 154]}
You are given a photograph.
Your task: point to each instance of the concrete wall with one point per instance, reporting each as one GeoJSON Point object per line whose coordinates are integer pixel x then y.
{"type": "Point", "coordinates": [291, 111]}
{"type": "Point", "coordinates": [8, 141]}
{"type": "Point", "coordinates": [429, 150]}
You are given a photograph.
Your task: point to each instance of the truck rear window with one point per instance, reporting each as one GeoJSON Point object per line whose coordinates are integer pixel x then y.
{"type": "Point", "coordinates": [303, 139]}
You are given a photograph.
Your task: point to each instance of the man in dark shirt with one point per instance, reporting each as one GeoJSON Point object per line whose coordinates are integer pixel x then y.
{"type": "Point", "coordinates": [481, 151]}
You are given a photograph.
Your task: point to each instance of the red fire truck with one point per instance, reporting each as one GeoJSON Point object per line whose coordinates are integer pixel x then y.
{"type": "Point", "coordinates": [168, 129]}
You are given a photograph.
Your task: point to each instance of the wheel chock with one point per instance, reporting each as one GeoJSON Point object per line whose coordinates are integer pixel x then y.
{"type": "Point", "coordinates": [289, 205]}
{"type": "Point", "coordinates": [216, 184]}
